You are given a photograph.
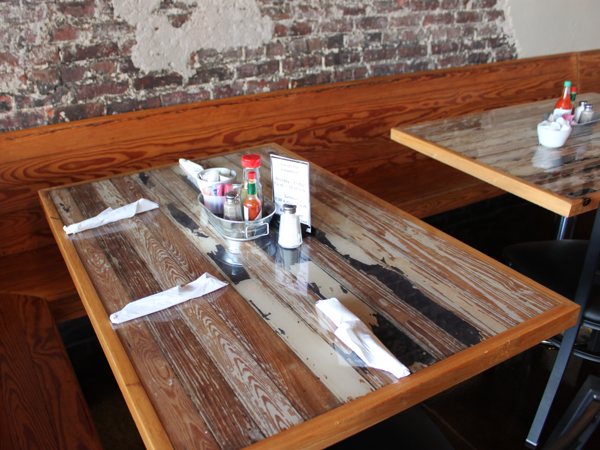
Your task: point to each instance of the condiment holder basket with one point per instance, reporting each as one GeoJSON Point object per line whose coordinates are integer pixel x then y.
{"type": "Point", "coordinates": [240, 230]}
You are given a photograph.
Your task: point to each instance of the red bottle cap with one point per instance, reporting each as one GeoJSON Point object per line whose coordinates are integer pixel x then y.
{"type": "Point", "coordinates": [251, 161]}
{"type": "Point", "coordinates": [251, 175]}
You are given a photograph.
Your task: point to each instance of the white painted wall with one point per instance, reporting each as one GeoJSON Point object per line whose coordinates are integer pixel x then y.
{"type": "Point", "coordinates": [546, 27]}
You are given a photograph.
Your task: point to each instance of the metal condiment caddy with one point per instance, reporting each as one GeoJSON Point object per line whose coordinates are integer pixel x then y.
{"type": "Point", "coordinates": [240, 230]}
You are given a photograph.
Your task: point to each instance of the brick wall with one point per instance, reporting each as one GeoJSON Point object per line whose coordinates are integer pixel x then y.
{"type": "Point", "coordinates": [68, 60]}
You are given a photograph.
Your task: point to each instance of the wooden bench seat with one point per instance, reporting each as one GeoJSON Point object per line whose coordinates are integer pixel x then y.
{"type": "Point", "coordinates": [42, 273]}
{"type": "Point", "coordinates": [42, 405]}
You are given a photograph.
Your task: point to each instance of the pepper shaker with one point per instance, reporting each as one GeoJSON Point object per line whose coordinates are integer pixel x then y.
{"type": "Point", "coordinates": [290, 233]}
{"type": "Point", "coordinates": [588, 114]}
{"type": "Point", "coordinates": [232, 209]}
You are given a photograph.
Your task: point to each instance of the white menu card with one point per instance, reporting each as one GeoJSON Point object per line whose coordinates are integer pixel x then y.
{"type": "Point", "coordinates": [291, 185]}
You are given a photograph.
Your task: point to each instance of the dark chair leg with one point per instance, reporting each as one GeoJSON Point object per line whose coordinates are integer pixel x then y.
{"type": "Point", "coordinates": [580, 420]}
{"type": "Point", "coordinates": [558, 370]}
{"type": "Point", "coordinates": [581, 297]}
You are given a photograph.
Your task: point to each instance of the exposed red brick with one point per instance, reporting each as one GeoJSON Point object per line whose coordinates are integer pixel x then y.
{"type": "Point", "coordinates": [484, 4]}
{"type": "Point", "coordinates": [421, 5]}
{"type": "Point", "coordinates": [372, 23]}
{"type": "Point", "coordinates": [251, 53]}
{"type": "Point", "coordinates": [78, 112]}
{"type": "Point", "coordinates": [300, 29]}
{"type": "Point", "coordinates": [91, 52]}
{"type": "Point", "coordinates": [211, 74]}
{"type": "Point", "coordinates": [104, 67]}
{"type": "Point", "coordinates": [379, 54]}
{"type": "Point", "coordinates": [335, 41]}
{"type": "Point", "coordinates": [228, 90]}
{"type": "Point", "coordinates": [468, 16]}
{"type": "Point", "coordinates": [275, 49]}
{"type": "Point", "coordinates": [354, 11]}
{"type": "Point", "coordinates": [478, 57]}
{"type": "Point", "coordinates": [154, 81]}
{"type": "Point", "coordinates": [302, 62]}
{"type": "Point", "coordinates": [258, 86]}
{"type": "Point", "coordinates": [177, 20]}
{"type": "Point", "coordinates": [337, 26]}
{"type": "Point", "coordinates": [280, 30]}
{"type": "Point", "coordinates": [8, 59]}
{"type": "Point", "coordinates": [132, 105]}
{"type": "Point", "coordinates": [277, 13]}
{"type": "Point", "coordinates": [182, 97]}
{"type": "Point", "coordinates": [6, 103]}
{"type": "Point", "coordinates": [411, 50]}
{"type": "Point", "coordinates": [444, 47]}
{"type": "Point", "coordinates": [312, 43]}
{"type": "Point", "coordinates": [439, 18]}
{"type": "Point", "coordinates": [77, 9]}
{"type": "Point", "coordinates": [49, 75]}
{"type": "Point", "coordinates": [23, 119]}
{"type": "Point", "coordinates": [64, 33]}
{"type": "Point", "coordinates": [90, 91]}
{"type": "Point", "coordinates": [405, 21]}
{"type": "Point", "coordinates": [312, 79]}
{"type": "Point", "coordinates": [41, 54]}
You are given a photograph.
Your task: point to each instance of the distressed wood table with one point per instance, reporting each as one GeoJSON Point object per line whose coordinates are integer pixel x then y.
{"type": "Point", "coordinates": [253, 364]}
{"type": "Point", "coordinates": [501, 147]}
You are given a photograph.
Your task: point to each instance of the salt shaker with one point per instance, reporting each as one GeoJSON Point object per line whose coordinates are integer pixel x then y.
{"type": "Point", "coordinates": [588, 114]}
{"type": "Point", "coordinates": [579, 110]}
{"type": "Point", "coordinates": [290, 234]}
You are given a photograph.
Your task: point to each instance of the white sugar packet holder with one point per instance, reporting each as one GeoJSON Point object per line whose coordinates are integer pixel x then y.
{"type": "Point", "coordinates": [110, 215]}
{"type": "Point", "coordinates": [203, 285]}
{"type": "Point", "coordinates": [360, 339]}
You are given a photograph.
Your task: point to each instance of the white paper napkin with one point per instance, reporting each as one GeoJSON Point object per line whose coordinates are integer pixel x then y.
{"type": "Point", "coordinates": [111, 215]}
{"type": "Point", "coordinates": [192, 170]}
{"type": "Point", "coordinates": [360, 339]}
{"type": "Point", "coordinates": [203, 285]}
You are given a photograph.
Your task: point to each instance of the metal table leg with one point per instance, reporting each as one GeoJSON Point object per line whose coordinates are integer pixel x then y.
{"type": "Point", "coordinates": [562, 358]}
{"type": "Point", "coordinates": [565, 226]}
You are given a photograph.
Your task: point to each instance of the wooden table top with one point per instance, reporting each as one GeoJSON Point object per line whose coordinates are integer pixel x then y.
{"type": "Point", "coordinates": [500, 147]}
{"type": "Point", "coordinates": [252, 364]}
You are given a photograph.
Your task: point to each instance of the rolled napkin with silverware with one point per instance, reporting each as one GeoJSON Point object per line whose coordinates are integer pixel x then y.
{"type": "Point", "coordinates": [110, 215]}
{"type": "Point", "coordinates": [359, 338]}
{"type": "Point", "coordinates": [205, 284]}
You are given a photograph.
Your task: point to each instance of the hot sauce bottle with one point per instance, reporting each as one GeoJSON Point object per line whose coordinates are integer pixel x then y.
{"type": "Point", "coordinates": [564, 105]}
{"type": "Point", "coordinates": [252, 205]}
{"type": "Point", "coordinates": [251, 163]}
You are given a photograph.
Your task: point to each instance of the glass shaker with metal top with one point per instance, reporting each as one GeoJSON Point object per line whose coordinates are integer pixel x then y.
{"type": "Point", "coordinates": [588, 114]}
{"type": "Point", "coordinates": [290, 233]}
{"type": "Point", "coordinates": [232, 208]}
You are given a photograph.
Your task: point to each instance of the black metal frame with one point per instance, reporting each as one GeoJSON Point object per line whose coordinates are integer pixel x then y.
{"type": "Point", "coordinates": [580, 420]}
{"type": "Point", "coordinates": [584, 287]}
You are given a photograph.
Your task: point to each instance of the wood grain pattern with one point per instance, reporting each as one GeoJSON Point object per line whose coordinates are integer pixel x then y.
{"type": "Point", "coordinates": [589, 71]}
{"type": "Point", "coordinates": [42, 406]}
{"type": "Point", "coordinates": [253, 364]}
{"type": "Point", "coordinates": [501, 147]}
{"type": "Point", "coordinates": [340, 119]}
